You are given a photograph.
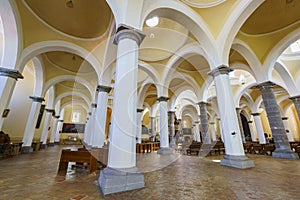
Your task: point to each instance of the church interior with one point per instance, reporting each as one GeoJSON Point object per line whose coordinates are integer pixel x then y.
{"type": "Point", "coordinates": [159, 99]}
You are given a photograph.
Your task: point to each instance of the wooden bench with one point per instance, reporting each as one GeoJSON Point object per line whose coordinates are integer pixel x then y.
{"type": "Point", "coordinates": [80, 156]}
{"type": "Point", "coordinates": [194, 148]}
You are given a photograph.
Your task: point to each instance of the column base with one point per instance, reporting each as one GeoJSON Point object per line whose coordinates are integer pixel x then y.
{"type": "Point", "coordinates": [173, 144]}
{"type": "Point", "coordinates": [56, 143]}
{"type": "Point", "coordinates": [241, 162]}
{"type": "Point", "coordinates": [165, 151]}
{"type": "Point", "coordinates": [44, 146]}
{"type": "Point", "coordinates": [51, 144]}
{"type": "Point", "coordinates": [118, 180]}
{"type": "Point", "coordinates": [285, 153]}
{"type": "Point", "coordinates": [26, 149]}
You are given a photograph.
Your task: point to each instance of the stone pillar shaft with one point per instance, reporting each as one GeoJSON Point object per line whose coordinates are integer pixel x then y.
{"type": "Point", "coordinates": [53, 131]}
{"type": "Point", "coordinates": [204, 123]}
{"type": "Point", "coordinates": [213, 133]}
{"type": "Point", "coordinates": [259, 128]}
{"type": "Point", "coordinates": [163, 121]}
{"type": "Point", "coordinates": [283, 149]}
{"type": "Point", "coordinates": [46, 126]}
{"type": "Point", "coordinates": [139, 125]}
{"type": "Point", "coordinates": [296, 101]}
{"type": "Point", "coordinates": [238, 114]}
{"type": "Point", "coordinates": [197, 132]}
{"type": "Point", "coordinates": [172, 128]}
{"type": "Point", "coordinates": [253, 136]}
{"type": "Point", "coordinates": [286, 124]}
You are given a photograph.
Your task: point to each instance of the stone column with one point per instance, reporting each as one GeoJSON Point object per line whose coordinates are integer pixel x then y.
{"type": "Point", "coordinates": [87, 132]}
{"type": "Point", "coordinates": [121, 172]}
{"type": "Point", "coordinates": [101, 112]}
{"type": "Point", "coordinates": [163, 124]}
{"type": "Point", "coordinates": [253, 136]}
{"type": "Point", "coordinates": [238, 114]}
{"type": "Point", "coordinates": [204, 123]}
{"type": "Point", "coordinates": [259, 128]}
{"type": "Point", "coordinates": [92, 125]}
{"type": "Point", "coordinates": [171, 115]}
{"type": "Point", "coordinates": [53, 131]}
{"type": "Point", "coordinates": [46, 127]}
{"type": "Point", "coordinates": [197, 132]}
{"type": "Point", "coordinates": [139, 125]}
{"type": "Point", "coordinates": [31, 123]}
{"type": "Point", "coordinates": [235, 155]}
{"type": "Point", "coordinates": [283, 149]}
{"type": "Point", "coordinates": [8, 79]}
{"type": "Point", "coordinates": [221, 131]}
{"type": "Point", "coordinates": [213, 133]}
{"type": "Point", "coordinates": [57, 134]}
{"type": "Point", "coordinates": [296, 101]}
{"type": "Point", "coordinates": [152, 124]}
{"type": "Point", "coordinates": [287, 129]}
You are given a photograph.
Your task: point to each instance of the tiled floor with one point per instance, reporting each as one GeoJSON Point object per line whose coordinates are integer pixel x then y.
{"type": "Point", "coordinates": [34, 176]}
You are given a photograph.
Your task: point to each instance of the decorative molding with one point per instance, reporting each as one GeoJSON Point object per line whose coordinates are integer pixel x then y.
{"type": "Point", "coordinates": [255, 114]}
{"type": "Point", "coordinates": [37, 99]}
{"type": "Point", "coordinates": [11, 73]}
{"type": "Point", "coordinates": [171, 112]}
{"type": "Point", "coordinates": [61, 120]}
{"type": "Point", "coordinates": [284, 118]}
{"type": "Point", "coordinates": [139, 110]}
{"type": "Point", "coordinates": [57, 117]}
{"type": "Point", "coordinates": [159, 99]}
{"type": "Point", "coordinates": [249, 122]}
{"type": "Point", "coordinates": [223, 69]}
{"type": "Point", "coordinates": [103, 88]}
{"type": "Point", "coordinates": [125, 31]}
{"type": "Point", "coordinates": [50, 111]}
{"type": "Point", "coordinates": [212, 123]}
{"type": "Point", "coordinates": [203, 5]}
{"type": "Point", "coordinates": [202, 103]}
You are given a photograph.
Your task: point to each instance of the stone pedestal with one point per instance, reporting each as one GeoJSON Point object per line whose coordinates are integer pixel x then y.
{"type": "Point", "coordinates": [241, 162]}
{"type": "Point", "coordinates": [118, 180]}
{"type": "Point", "coordinates": [26, 149]}
{"type": "Point", "coordinates": [44, 146]}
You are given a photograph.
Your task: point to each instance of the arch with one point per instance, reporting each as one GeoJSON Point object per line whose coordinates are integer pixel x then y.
{"type": "Point", "coordinates": [78, 94]}
{"type": "Point", "coordinates": [178, 93]}
{"type": "Point", "coordinates": [12, 41]}
{"type": "Point", "coordinates": [57, 45]}
{"type": "Point", "coordinates": [76, 104]}
{"type": "Point", "coordinates": [188, 18]}
{"type": "Point", "coordinates": [233, 24]}
{"type": "Point", "coordinates": [143, 92]}
{"type": "Point", "coordinates": [241, 91]}
{"type": "Point", "coordinates": [39, 77]}
{"type": "Point", "coordinates": [58, 79]}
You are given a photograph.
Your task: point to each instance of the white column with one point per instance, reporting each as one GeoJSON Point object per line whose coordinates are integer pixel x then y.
{"type": "Point", "coordinates": [123, 135]}
{"type": "Point", "coordinates": [58, 129]}
{"type": "Point", "coordinates": [197, 132]}
{"type": "Point", "coordinates": [172, 128]}
{"type": "Point", "coordinates": [235, 155]}
{"type": "Point", "coordinates": [287, 129]}
{"type": "Point", "coordinates": [259, 128]}
{"type": "Point", "coordinates": [252, 132]}
{"type": "Point", "coordinates": [8, 78]}
{"type": "Point", "coordinates": [213, 133]}
{"type": "Point", "coordinates": [101, 111]}
{"type": "Point", "coordinates": [92, 126]}
{"type": "Point", "coordinates": [221, 131]}
{"type": "Point", "coordinates": [163, 124]}
{"type": "Point", "coordinates": [53, 130]}
{"type": "Point", "coordinates": [86, 136]}
{"type": "Point", "coordinates": [152, 124]}
{"type": "Point", "coordinates": [31, 123]}
{"type": "Point", "coordinates": [139, 125]}
{"type": "Point", "coordinates": [46, 127]}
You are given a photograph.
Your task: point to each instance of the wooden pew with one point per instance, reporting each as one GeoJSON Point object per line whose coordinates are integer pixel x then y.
{"type": "Point", "coordinates": [80, 156]}
{"type": "Point", "coordinates": [194, 148]}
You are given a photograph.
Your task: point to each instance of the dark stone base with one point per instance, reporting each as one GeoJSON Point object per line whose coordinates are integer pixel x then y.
{"type": "Point", "coordinates": [113, 180]}
{"type": "Point", "coordinates": [56, 143]}
{"type": "Point", "coordinates": [44, 146]}
{"type": "Point", "coordinates": [26, 149]}
{"type": "Point", "coordinates": [285, 153]}
{"type": "Point", "coordinates": [241, 162]}
{"type": "Point", "coordinates": [173, 144]}
{"type": "Point", "coordinates": [51, 144]}
{"type": "Point", "coordinates": [165, 151]}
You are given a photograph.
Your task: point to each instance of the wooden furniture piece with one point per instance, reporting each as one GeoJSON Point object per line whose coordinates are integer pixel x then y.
{"type": "Point", "coordinates": [80, 156]}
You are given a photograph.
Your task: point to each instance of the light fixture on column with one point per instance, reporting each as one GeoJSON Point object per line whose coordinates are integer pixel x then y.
{"type": "Point", "coordinates": [69, 4]}
{"type": "Point", "coordinates": [152, 22]}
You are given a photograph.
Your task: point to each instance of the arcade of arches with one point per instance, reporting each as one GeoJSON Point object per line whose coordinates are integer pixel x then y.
{"type": "Point", "coordinates": [118, 73]}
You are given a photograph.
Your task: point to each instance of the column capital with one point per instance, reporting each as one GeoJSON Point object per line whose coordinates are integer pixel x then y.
{"type": "Point", "coordinates": [61, 120]}
{"type": "Point", "coordinates": [295, 98]}
{"type": "Point", "coordinates": [50, 111]}
{"type": "Point", "coordinates": [171, 112]}
{"type": "Point", "coordinates": [267, 84]}
{"type": "Point", "coordinates": [11, 73]}
{"type": "Point", "coordinates": [212, 123]}
{"type": "Point", "coordinates": [255, 114]}
{"type": "Point", "coordinates": [238, 109]}
{"type": "Point", "coordinates": [94, 105]}
{"type": "Point", "coordinates": [196, 122]}
{"type": "Point", "coordinates": [202, 103]}
{"type": "Point", "coordinates": [284, 118]}
{"type": "Point", "coordinates": [37, 99]}
{"type": "Point", "coordinates": [103, 88]}
{"type": "Point", "coordinates": [223, 69]}
{"type": "Point", "coordinates": [159, 99]}
{"type": "Point", "coordinates": [139, 110]}
{"type": "Point", "coordinates": [249, 122]}
{"type": "Point", "coordinates": [125, 31]}
{"type": "Point", "coordinates": [57, 117]}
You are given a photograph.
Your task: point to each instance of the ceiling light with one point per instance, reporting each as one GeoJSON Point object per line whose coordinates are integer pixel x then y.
{"type": "Point", "coordinates": [152, 22]}
{"type": "Point", "coordinates": [69, 4]}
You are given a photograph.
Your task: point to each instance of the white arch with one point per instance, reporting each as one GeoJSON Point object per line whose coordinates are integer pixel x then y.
{"type": "Point", "coordinates": [233, 24]}
{"type": "Point", "coordinates": [182, 14]}
{"type": "Point", "coordinates": [177, 95]}
{"type": "Point", "coordinates": [80, 80]}
{"type": "Point", "coordinates": [77, 94]}
{"type": "Point", "coordinates": [241, 91]}
{"type": "Point", "coordinates": [57, 45]}
{"type": "Point", "coordinates": [143, 91]}
{"type": "Point", "coordinates": [39, 77]}
{"type": "Point", "coordinates": [12, 41]}
{"type": "Point", "coordinates": [75, 104]}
